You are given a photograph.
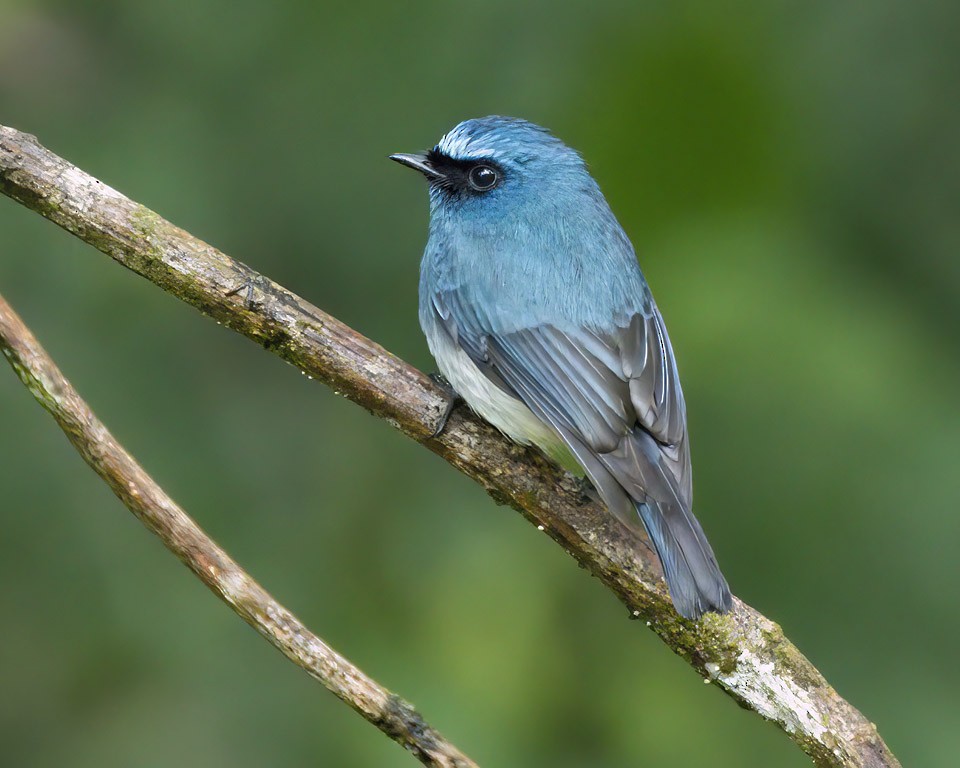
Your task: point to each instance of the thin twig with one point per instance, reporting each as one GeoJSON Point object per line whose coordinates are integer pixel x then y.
{"type": "Point", "coordinates": [743, 652]}
{"type": "Point", "coordinates": [214, 567]}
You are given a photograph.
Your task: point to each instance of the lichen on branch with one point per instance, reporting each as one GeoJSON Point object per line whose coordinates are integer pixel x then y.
{"type": "Point", "coordinates": [743, 652]}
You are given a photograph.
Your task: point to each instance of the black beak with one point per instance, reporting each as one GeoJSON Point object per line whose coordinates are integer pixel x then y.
{"type": "Point", "coordinates": [418, 162]}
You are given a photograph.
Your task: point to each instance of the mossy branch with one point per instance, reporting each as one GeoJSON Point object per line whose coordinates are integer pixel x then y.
{"type": "Point", "coordinates": [214, 567]}
{"type": "Point", "coordinates": [743, 652]}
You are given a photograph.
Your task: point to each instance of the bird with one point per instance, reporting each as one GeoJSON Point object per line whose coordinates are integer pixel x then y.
{"type": "Point", "coordinates": [536, 311]}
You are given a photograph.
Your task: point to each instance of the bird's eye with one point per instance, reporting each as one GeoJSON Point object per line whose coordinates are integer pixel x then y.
{"type": "Point", "coordinates": [483, 177]}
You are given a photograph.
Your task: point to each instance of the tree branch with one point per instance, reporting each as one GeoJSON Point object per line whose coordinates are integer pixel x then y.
{"type": "Point", "coordinates": [214, 567]}
{"type": "Point", "coordinates": [743, 652]}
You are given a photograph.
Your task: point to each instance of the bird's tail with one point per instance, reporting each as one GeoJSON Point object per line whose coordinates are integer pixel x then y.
{"type": "Point", "coordinates": [689, 565]}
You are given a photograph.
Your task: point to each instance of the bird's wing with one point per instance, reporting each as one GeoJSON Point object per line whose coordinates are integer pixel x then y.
{"type": "Point", "coordinates": [594, 386]}
{"type": "Point", "coordinates": [613, 396]}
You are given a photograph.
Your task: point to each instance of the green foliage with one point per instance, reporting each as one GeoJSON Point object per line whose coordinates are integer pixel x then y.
{"type": "Point", "coordinates": [788, 174]}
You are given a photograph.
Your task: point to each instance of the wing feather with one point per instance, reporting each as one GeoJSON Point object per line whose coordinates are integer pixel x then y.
{"type": "Point", "coordinates": [597, 385]}
{"type": "Point", "coordinates": [613, 396]}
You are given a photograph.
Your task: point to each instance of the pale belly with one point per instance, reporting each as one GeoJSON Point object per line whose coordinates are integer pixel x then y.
{"type": "Point", "coordinates": [505, 412]}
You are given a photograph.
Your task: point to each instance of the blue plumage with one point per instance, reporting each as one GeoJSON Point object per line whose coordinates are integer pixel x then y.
{"type": "Point", "coordinates": [535, 308]}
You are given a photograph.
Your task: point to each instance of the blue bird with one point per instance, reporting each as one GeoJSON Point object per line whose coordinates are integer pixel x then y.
{"type": "Point", "coordinates": [536, 311]}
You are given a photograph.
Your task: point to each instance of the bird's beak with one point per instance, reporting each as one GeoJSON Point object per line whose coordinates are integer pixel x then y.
{"type": "Point", "coordinates": [418, 162]}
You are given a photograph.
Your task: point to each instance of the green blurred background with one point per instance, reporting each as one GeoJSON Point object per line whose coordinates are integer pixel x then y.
{"type": "Point", "coordinates": [788, 172]}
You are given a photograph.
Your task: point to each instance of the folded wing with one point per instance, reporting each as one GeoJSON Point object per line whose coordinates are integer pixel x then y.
{"type": "Point", "coordinates": [614, 397]}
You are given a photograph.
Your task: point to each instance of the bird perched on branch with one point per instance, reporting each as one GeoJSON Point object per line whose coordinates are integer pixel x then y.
{"type": "Point", "coordinates": [536, 311]}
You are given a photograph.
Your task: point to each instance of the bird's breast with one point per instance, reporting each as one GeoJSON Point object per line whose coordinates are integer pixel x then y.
{"type": "Point", "coordinates": [530, 274]}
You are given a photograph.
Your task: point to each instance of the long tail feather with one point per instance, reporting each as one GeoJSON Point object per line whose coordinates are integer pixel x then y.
{"type": "Point", "coordinates": [693, 577]}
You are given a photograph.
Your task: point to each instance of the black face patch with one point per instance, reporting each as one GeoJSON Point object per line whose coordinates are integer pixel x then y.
{"type": "Point", "coordinates": [464, 177]}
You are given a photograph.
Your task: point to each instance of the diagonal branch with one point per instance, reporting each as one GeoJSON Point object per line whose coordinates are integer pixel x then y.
{"type": "Point", "coordinates": [214, 567]}
{"type": "Point", "coordinates": [743, 652]}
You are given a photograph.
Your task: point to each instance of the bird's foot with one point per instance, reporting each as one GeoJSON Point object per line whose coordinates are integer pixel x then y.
{"type": "Point", "coordinates": [453, 399]}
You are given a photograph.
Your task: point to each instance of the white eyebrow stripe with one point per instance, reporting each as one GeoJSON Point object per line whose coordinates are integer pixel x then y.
{"type": "Point", "coordinates": [457, 146]}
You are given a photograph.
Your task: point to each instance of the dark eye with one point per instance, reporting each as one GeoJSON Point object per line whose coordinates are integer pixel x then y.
{"type": "Point", "coordinates": [483, 177]}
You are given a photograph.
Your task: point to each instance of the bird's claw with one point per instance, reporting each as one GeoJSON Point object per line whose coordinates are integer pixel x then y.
{"type": "Point", "coordinates": [452, 400]}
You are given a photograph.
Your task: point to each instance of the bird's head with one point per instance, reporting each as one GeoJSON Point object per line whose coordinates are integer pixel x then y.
{"type": "Point", "coordinates": [500, 166]}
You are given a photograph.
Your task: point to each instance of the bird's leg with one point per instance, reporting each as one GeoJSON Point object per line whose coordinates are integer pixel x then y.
{"type": "Point", "coordinates": [452, 400]}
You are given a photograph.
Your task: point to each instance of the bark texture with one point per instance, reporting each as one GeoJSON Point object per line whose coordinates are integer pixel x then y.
{"type": "Point", "coordinates": [214, 567]}
{"type": "Point", "coordinates": [743, 652]}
